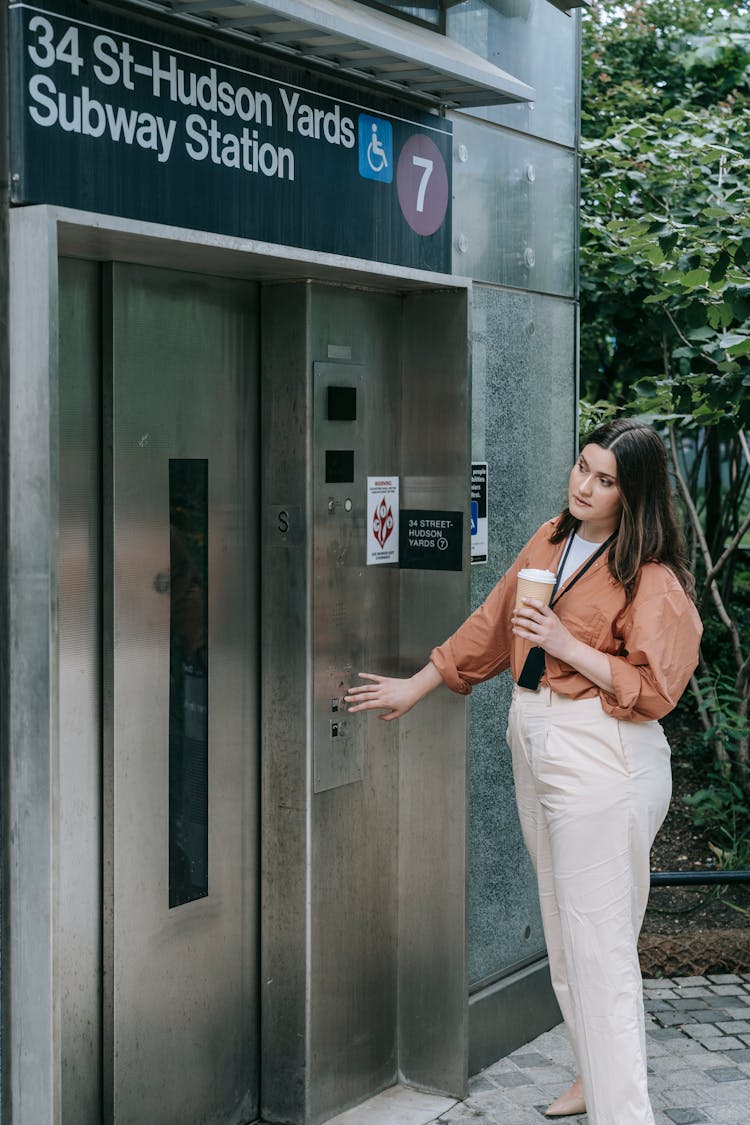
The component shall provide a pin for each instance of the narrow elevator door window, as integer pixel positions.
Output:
(188, 679)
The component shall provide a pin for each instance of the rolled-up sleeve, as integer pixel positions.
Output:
(660, 632)
(480, 648)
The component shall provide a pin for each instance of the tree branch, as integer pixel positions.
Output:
(700, 699)
(729, 551)
(745, 447)
(743, 676)
(686, 342)
(665, 354)
(704, 710)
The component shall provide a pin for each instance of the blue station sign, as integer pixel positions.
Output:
(133, 116)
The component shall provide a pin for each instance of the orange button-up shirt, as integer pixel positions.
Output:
(652, 642)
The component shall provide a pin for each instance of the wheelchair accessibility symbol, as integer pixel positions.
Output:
(375, 148)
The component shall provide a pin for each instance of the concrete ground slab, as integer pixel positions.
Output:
(398, 1105)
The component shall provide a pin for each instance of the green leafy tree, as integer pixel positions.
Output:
(665, 292)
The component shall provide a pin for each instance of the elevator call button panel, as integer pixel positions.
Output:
(339, 465)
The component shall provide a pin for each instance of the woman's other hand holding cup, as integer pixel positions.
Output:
(536, 622)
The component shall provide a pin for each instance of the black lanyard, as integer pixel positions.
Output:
(587, 565)
(533, 667)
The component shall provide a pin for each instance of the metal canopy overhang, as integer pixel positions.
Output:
(359, 43)
(568, 5)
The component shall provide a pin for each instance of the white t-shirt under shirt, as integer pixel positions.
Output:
(580, 550)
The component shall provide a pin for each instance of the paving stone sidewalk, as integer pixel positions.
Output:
(698, 1033)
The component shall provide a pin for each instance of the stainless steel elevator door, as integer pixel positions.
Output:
(180, 699)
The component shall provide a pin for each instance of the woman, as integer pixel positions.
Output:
(590, 760)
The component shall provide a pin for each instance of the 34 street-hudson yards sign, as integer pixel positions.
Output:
(135, 117)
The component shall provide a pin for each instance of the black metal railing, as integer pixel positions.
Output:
(697, 878)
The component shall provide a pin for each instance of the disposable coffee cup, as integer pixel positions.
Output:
(534, 583)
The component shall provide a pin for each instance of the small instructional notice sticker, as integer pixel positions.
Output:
(382, 520)
(479, 521)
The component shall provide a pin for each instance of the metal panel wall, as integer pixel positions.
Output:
(4, 540)
(433, 750)
(354, 837)
(180, 979)
(80, 691)
(286, 393)
(351, 869)
(33, 1047)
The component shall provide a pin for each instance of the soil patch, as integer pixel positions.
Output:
(689, 931)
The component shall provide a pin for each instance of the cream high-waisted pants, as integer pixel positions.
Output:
(592, 792)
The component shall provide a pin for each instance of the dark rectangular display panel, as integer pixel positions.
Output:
(339, 466)
(342, 404)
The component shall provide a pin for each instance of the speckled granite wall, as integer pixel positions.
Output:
(515, 220)
(523, 426)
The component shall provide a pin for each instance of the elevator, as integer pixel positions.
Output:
(159, 391)
(253, 903)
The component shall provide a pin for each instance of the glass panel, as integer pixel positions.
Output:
(188, 680)
(515, 209)
(523, 423)
(535, 42)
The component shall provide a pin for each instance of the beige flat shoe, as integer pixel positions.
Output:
(569, 1104)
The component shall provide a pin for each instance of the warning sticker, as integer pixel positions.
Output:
(382, 520)
(431, 540)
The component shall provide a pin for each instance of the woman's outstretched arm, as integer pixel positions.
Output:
(394, 696)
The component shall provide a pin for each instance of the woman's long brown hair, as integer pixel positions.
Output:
(649, 530)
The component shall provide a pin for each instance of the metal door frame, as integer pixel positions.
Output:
(38, 236)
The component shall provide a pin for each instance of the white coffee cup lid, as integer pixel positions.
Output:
(533, 575)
